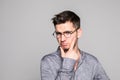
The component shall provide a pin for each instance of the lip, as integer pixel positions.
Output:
(63, 44)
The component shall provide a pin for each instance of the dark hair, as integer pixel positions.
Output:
(66, 16)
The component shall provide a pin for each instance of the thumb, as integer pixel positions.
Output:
(62, 52)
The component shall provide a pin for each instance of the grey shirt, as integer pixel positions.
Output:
(54, 67)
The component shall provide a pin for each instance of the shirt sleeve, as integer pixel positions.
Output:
(66, 71)
(100, 73)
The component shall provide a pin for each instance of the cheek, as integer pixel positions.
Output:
(58, 40)
(73, 39)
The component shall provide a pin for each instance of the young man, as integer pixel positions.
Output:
(69, 62)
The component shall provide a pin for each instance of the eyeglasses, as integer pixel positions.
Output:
(67, 34)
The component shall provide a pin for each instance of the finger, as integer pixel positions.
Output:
(72, 44)
(62, 52)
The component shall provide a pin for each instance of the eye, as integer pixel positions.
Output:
(67, 32)
(58, 33)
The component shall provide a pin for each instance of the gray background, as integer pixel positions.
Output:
(26, 34)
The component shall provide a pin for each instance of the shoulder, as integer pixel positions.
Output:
(51, 59)
(51, 56)
(88, 57)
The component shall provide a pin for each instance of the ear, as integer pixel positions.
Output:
(79, 33)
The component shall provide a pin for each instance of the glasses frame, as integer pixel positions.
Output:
(71, 32)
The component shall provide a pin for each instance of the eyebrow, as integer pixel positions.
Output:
(62, 32)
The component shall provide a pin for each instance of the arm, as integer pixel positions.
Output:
(66, 72)
(100, 73)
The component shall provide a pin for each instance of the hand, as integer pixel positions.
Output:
(72, 53)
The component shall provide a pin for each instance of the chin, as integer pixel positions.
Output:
(65, 49)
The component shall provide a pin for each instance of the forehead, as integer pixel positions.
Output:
(67, 26)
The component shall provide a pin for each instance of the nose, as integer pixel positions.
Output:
(63, 38)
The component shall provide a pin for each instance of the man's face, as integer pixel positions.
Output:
(65, 42)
